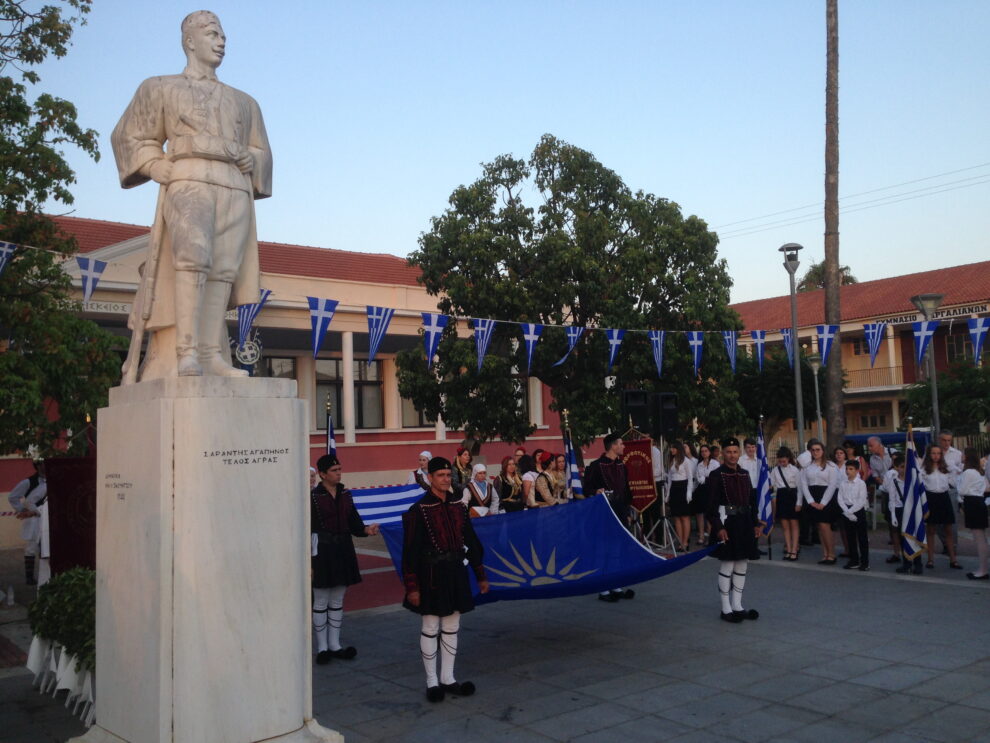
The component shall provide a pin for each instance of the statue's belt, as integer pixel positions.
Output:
(205, 147)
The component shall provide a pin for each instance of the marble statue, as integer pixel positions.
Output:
(204, 143)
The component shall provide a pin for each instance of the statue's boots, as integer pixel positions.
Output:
(213, 331)
(188, 298)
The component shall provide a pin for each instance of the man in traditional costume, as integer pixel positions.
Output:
(438, 539)
(607, 476)
(333, 522)
(28, 499)
(216, 162)
(735, 526)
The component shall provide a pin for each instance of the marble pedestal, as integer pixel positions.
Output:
(202, 605)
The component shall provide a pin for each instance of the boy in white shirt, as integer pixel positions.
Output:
(854, 501)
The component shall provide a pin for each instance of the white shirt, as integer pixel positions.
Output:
(815, 475)
(936, 482)
(971, 483)
(752, 466)
(893, 486)
(953, 460)
(789, 480)
(657, 458)
(681, 472)
(484, 489)
(411, 480)
(702, 471)
(852, 495)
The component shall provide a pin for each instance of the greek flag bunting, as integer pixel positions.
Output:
(923, 332)
(760, 343)
(320, 316)
(913, 537)
(378, 320)
(6, 253)
(483, 330)
(656, 342)
(573, 334)
(729, 336)
(433, 327)
(788, 345)
(875, 332)
(614, 341)
(978, 327)
(531, 334)
(763, 499)
(573, 474)
(90, 271)
(826, 334)
(246, 314)
(695, 341)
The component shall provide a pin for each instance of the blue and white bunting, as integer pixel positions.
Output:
(788, 345)
(378, 320)
(696, 340)
(760, 342)
(320, 315)
(90, 271)
(573, 474)
(573, 334)
(531, 334)
(433, 327)
(826, 336)
(923, 332)
(6, 253)
(875, 333)
(656, 343)
(763, 499)
(978, 327)
(729, 337)
(614, 341)
(913, 537)
(246, 314)
(483, 330)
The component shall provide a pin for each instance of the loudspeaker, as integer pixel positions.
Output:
(636, 410)
(666, 414)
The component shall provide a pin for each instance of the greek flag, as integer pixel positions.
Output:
(875, 332)
(320, 315)
(695, 340)
(913, 537)
(378, 320)
(433, 327)
(923, 332)
(788, 345)
(483, 330)
(763, 498)
(387, 504)
(331, 436)
(826, 334)
(246, 314)
(729, 336)
(656, 342)
(573, 334)
(977, 332)
(531, 334)
(6, 253)
(573, 475)
(760, 342)
(90, 271)
(614, 341)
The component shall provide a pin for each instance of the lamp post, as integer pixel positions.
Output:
(816, 363)
(791, 263)
(927, 304)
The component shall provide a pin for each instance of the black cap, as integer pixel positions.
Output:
(731, 441)
(324, 463)
(611, 439)
(438, 463)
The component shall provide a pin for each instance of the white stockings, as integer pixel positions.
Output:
(328, 616)
(439, 637)
(731, 581)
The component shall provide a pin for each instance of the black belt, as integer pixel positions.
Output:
(435, 557)
(326, 537)
(736, 510)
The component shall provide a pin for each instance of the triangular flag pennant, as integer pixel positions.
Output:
(573, 334)
(788, 345)
(760, 341)
(696, 341)
(483, 330)
(614, 341)
(90, 271)
(433, 327)
(320, 314)
(246, 314)
(923, 332)
(656, 342)
(978, 327)
(826, 334)
(378, 320)
(875, 333)
(531, 334)
(729, 336)
(6, 253)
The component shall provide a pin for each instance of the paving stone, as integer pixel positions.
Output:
(629, 683)
(784, 686)
(953, 686)
(769, 721)
(719, 710)
(951, 723)
(896, 678)
(585, 720)
(647, 729)
(836, 697)
(669, 695)
(893, 709)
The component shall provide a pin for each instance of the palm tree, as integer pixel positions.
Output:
(814, 277)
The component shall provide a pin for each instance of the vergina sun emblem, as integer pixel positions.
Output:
(534, 572)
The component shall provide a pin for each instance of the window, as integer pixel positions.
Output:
(369, 411)
(861, 347)
(873, 419)
(958, 347)
(412, 418)
(282, 368)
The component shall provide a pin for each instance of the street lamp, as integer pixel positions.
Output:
(816, 363)
(791, 263)
(927, 304)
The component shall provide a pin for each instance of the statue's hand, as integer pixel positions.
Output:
(160, 171)
(245, 163)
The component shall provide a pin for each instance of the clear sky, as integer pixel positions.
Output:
(376, 111)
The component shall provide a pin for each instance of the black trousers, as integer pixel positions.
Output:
(858, 537)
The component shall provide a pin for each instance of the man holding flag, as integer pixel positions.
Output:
(914, 540)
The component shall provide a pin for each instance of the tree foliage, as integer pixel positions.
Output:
(592, 253)
(54, 366)
(963, 394)
(770, 393)
(814, 277)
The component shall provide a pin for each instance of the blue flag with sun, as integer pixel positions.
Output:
(568, 550)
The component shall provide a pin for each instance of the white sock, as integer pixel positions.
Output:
(335, 615)
(739, 568)
(321, 598)
(725, 586)
(449, 627)
(428, 647)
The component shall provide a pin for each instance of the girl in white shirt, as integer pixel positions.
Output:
(853, 501)
(784, 481)
(936, 478)
(817, 485)
(699, 498)
(973, 486)
(679, 488)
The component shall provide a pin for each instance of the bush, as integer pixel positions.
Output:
(65, 612)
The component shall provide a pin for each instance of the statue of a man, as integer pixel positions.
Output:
(216, 162)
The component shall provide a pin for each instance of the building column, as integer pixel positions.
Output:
(347, 349)
(895, 414)
(441, 429)
(306, 386)
(891, 351)
(391, 401)
(535, 392)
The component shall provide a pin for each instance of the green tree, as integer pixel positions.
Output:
(814, 277)
(592, 253)
(55, 368)
(770, 393)
(963, 395)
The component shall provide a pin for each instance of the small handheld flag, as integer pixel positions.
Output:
(320, 316)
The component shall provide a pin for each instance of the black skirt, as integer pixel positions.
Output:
(742, 539)
(678, 499)
(827, 515)
(699, 498)
(940, 509)
(335, 562)
(443, 586)
(975, 512)
(786, 503)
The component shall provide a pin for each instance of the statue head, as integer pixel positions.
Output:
(203, 39)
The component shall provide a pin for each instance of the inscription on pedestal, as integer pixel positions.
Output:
(247, 456)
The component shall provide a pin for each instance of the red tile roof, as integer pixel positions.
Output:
(869, 299)
(292, 260)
